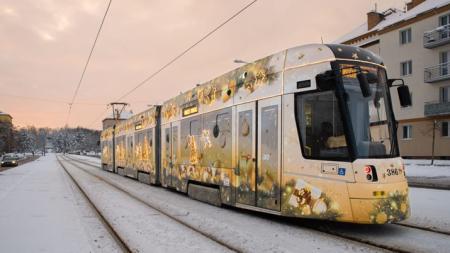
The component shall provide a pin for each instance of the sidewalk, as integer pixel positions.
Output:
(421, 174)
(41, 211)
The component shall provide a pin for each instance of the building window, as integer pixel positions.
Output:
(407, 132)
(444, 129)
(444, 94)
(406, 68)
(443, 63)
(405, 36)
(444, 21)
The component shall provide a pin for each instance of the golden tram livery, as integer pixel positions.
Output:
(307, 132)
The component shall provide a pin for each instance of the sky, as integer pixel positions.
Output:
(45, 43)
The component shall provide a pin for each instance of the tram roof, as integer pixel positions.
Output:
(295, 57)
(299, 56)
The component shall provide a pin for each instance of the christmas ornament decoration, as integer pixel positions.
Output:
(391, 209)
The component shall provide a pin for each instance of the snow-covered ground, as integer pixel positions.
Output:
(423, 168)
(42, 211)
(430, 208)
(427, 205)
(142, 228)
(245, 231)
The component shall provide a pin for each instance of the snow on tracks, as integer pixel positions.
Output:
(244, 231)
(142, 229)
(417, 237)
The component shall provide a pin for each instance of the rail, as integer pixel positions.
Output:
(437, 37)
(437, 73)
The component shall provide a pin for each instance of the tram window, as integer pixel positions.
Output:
(320, 125)
(175, 150)
(194, 127)
(217, 150)
(190, 134)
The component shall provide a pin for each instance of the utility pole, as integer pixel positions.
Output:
(117, 109)
(434, 140)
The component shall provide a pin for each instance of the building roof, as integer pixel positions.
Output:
(5, 114)
(392, 17)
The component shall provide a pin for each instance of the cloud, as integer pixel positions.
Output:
(8, 11)
(45, 35)
(62, 22)
(44, 50)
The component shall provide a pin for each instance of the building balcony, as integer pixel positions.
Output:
(437, 73)
(437, 108)
(437, 37)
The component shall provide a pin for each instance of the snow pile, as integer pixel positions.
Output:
(423, 168)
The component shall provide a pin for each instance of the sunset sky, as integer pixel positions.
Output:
(45, 43)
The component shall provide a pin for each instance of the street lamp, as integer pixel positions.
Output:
(240, 61)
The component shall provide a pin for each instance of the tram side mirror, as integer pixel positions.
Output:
(98, 143)
(404, 96)
(364, 84)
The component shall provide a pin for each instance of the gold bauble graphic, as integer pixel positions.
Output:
(319, 207)
(381, 218)
(245, 128)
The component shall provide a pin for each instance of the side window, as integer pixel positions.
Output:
(175, 148)
(166, 151)
(444, 22)
(216, 139)
(444, 129)
(406, 68)
(407, 132)
(147, 144)
(444, 94)
(405, 36)
(194, 127)
(190, 143)
(322, 134)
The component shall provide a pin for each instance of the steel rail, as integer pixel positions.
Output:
(322, 230)
(122, 244)
(139, 199)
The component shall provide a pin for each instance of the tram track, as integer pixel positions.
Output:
(121, 243)
(404, 224)
(335, 230)
(380, 247)
(159, 210)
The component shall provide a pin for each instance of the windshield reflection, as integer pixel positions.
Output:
(370, 118)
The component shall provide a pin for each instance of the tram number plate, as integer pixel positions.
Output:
(392, 172)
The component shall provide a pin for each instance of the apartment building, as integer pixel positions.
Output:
(415, 46)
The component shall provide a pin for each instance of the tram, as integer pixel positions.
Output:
(307, 132)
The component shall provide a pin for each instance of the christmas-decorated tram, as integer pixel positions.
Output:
(307, 132)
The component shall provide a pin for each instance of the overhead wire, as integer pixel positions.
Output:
(87, 62)
(151, 76)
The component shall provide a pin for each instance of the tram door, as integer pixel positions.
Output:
(246, 154)
(269, 154)
(174, 152)
(166, 155)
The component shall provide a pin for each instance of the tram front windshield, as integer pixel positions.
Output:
(320, 118)
(370, 117)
